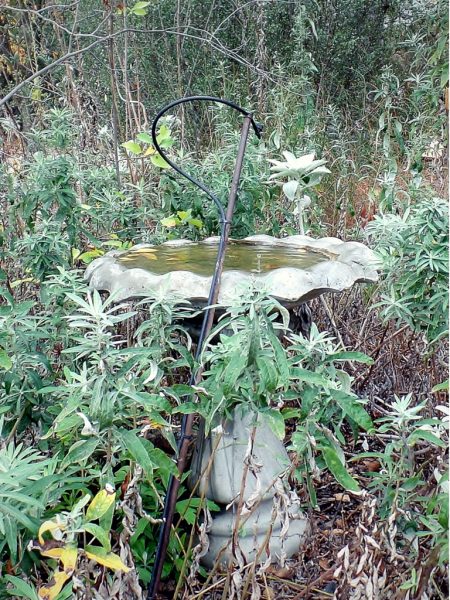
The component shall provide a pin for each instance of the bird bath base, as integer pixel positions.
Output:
(270, 524)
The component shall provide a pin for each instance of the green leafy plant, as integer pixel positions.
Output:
(251, 367)
(418, 507)
(24, 476)
(413, 248)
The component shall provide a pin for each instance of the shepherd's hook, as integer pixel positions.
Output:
(225, 219)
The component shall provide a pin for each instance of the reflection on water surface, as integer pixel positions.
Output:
(200, 258)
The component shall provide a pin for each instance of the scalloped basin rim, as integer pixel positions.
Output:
(324, 264)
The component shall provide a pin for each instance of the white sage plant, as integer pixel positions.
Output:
(302, 173)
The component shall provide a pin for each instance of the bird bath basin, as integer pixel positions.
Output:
(292, 269)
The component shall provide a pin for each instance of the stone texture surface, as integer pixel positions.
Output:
(231, 441)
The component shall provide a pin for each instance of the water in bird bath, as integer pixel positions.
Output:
(200, 257)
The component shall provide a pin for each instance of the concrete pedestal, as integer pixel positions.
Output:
(268, 464)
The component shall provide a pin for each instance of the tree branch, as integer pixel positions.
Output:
(215, 43)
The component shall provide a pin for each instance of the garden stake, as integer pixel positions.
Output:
(225, 225)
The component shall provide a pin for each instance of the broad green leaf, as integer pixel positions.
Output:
(441, 387)
(107, 559)
(352, 408)
(79, 452)
(280, 358)
(135, 446)
(5, 361)
(132, 147)
(236, 365)
(424, 434)
(338, 470)
(99, 533)
(139, 8)
(163, 133)
(145, 137)
(297, 373)
(268, 374)
(158, 161)
(22, 589)
(100, 504)
(276, 422)
(357, 356)
(166, 143)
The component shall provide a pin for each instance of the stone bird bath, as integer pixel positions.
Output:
(292, 270)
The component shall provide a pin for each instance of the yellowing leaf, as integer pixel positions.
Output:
(107, 559)
(36, 94)
(89, 256)
(169, 222)
(18, 282)
(145, 253)
(99, 505)
(52, 589)
(66, 554)
(150, 150)
(68, 558)
(52, 552)
(53, 527)
(140, 251)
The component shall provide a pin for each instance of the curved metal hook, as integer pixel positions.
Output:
(256, 126)
(225, 223)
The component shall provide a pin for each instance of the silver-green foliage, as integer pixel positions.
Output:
(301, 379)
(413, 248)
(410, 494)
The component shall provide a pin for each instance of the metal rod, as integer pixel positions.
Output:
(188, 420)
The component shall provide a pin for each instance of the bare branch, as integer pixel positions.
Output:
(209, 39)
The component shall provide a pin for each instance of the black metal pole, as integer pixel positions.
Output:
(188, 420)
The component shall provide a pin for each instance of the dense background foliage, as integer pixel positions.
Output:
(90, 390)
